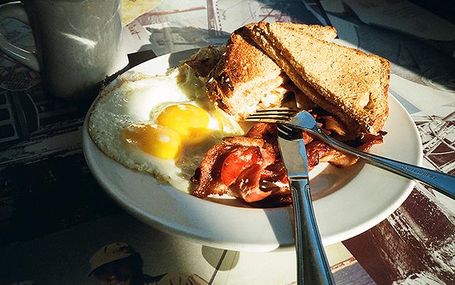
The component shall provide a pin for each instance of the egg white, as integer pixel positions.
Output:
(136, 98)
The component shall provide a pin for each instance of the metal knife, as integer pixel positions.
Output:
(312, 264)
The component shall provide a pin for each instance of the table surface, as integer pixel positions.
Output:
(54, 215)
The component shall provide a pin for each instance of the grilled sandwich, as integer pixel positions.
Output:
(246, 79)
(344, 81)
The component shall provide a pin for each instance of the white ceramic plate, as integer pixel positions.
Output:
(350, 200)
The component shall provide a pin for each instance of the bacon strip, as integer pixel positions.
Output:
(248, 167)
(251, 168)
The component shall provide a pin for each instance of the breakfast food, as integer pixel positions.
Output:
(246, 78)
(162, 125)
(344, 81)
(251, 168)
(248, 167)
(184, 129)
(204, 60)
(347, 88)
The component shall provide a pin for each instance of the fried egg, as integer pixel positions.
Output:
(162, 125)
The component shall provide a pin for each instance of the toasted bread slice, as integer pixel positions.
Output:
(346, 82)
(246, 79)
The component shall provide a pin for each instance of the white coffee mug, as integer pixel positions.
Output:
(78, 43)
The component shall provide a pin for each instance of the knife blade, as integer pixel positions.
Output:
(312, 264)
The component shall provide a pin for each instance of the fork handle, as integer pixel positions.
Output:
(312, 264)
(441, 182)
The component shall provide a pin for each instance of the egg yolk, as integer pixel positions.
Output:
(189, 121)
(160, 142)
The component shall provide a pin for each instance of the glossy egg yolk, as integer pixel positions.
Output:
(160, 142)
(189, 121)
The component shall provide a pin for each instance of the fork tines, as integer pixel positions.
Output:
(272, 115)
(289, 133)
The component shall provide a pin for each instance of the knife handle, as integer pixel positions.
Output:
(312, 264)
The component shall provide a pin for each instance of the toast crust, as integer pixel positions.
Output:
(242, 64)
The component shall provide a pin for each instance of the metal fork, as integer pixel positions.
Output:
(272, 115)
(441, 182)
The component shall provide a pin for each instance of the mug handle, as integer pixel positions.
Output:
(16, 10)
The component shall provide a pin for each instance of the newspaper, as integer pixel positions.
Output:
(172, 27)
